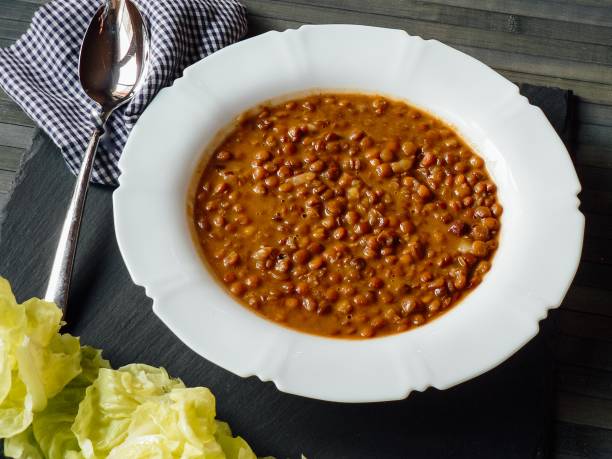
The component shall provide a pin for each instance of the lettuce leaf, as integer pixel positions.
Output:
(61, 401)
(140, 412)
(36, 362)
(233, 447)
(106, 412)
(23, 446)
(52, 427)
(50, 435)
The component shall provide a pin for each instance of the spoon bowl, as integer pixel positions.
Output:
(114, 54)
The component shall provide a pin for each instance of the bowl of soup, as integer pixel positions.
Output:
(350, 212)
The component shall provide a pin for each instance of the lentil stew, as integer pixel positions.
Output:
(346, 215)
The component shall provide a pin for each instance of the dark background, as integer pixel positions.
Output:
(505, 413)
(564, 43)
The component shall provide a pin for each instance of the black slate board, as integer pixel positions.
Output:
(505, 413)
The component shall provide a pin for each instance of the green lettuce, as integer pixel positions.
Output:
(61, 401)
(53, 426)
(36, 361)
(23, 446)
(139, 412)
(50, 435)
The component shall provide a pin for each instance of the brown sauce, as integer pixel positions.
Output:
(346, 215)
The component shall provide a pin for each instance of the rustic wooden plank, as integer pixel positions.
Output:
(596, 202)
(594, 275)
(583, 398)
(595, 84)
(588, 300)
(476, 19)
(584, 325)
(598, 226)
(587, 352)
(539, 65)
(573, 440)
(6, 180)
(594, 113)
(5, 43)
(557, 455)
(4, 96)
(17, 10)
(590, 155)
(10, 157)
(504, 50)
(4, 198)
(595, 178)
(594, 134)
(585, 381)
(593, 155)
(11, 29)
(597, 251)
(566, 12)
(260, 23)
(11, 113)
(582, 2)
(588, 411)
(13, 135)
(586, 90)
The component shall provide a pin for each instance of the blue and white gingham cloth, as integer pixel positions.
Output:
(40, 71)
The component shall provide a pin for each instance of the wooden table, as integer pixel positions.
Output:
(563, 43)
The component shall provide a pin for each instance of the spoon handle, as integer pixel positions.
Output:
(61, 272)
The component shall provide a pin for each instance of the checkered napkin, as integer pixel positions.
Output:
(40, 71)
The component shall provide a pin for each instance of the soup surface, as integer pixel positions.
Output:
(346, 215)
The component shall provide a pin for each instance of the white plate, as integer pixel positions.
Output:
(540, 241)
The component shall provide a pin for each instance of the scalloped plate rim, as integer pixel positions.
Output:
(283, 374)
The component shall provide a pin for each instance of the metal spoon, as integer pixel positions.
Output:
(112, 66)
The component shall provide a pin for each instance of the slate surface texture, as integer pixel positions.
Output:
(505, 413)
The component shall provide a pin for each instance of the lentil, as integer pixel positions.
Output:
(351, 216)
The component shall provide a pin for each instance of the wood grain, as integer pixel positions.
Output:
(561, 43)
(594, 134)
(593, 155)
(585, 381)
(561, 11)
(585, 325)
(34, 2)
(10, 113)
(597, 251)
(594, 113)
(596, 202)
(595, 178)
(589, 411)
(585, 90)
(4, 197)
(588, 300)
(493, 21)
(16, 136)
(587, 352)
(594, 275)
(17, 10)
(598, 226)
(543, 56)
(10, 157)
(5, 42)
(574, 440)
(6, 180)
(11, 29)
(590, 82)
